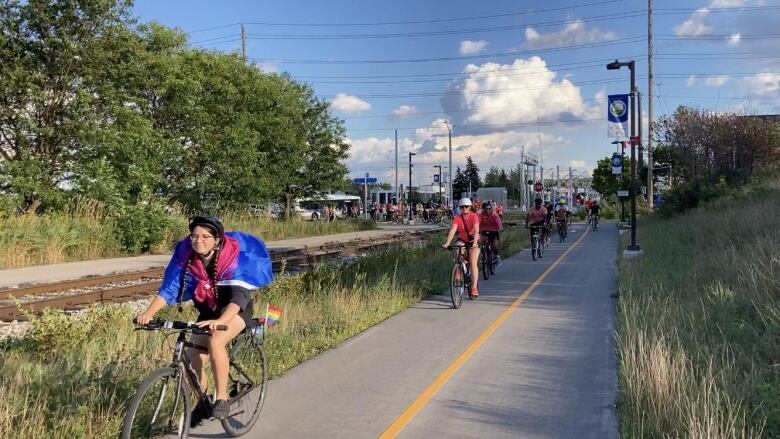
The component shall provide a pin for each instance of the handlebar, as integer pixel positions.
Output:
(175, 325)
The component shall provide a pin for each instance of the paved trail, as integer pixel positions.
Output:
(547, 370)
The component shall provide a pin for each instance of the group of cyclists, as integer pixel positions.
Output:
(217, 270)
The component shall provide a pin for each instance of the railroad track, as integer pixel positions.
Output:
(71, 294)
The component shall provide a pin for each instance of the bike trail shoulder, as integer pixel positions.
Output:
(547, 371)
(75, 270)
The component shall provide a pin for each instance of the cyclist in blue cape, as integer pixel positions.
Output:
(217, 271)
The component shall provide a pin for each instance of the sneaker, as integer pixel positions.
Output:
(202, 411)
(221, 409)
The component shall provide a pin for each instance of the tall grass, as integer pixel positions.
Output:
(72, 377)
(699, 323)
(86, 232)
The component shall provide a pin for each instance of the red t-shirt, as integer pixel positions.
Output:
(490, 223)
(467, 225)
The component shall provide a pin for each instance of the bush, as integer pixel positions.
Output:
(689, 196)
(140, 228)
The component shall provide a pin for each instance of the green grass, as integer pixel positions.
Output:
(699, 323)
(87, 232)
(72, 377)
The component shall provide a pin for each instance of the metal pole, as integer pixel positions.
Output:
(633, 246)
(396, 167)
(409, 201)
(523, 185)
(365, 197)
(449, 171)
(650, 103)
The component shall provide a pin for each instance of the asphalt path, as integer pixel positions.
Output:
(532, 357)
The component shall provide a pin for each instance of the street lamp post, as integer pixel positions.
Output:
(409, 201)
(616, 65)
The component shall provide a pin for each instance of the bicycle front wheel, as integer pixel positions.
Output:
(247, 384)
(485, 262)
(159, 408)
(534, 246)
(457, 286)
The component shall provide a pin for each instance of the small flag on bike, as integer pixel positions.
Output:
(272, 315)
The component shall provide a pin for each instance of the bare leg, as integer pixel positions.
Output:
(474, 262)
(220, 364)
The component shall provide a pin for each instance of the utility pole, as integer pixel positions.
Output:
(570, 194)
(449, 171)
(396, 167)
(557, 180)
(365, 197)
(539, 129)
(523, 184)
(409, 201)
(440, 194)
(650, 89)
(243, 42)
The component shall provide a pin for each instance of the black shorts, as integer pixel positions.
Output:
(490, 234)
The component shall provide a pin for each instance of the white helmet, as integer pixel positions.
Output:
(465, 202)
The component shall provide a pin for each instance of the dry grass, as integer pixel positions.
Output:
(699, 336)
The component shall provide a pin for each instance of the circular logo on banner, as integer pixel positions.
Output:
(538, 187)
(617, 161)
(617, 108)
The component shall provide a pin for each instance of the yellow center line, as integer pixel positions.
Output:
(411, 411)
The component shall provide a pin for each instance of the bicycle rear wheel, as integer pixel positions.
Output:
(159, 408)
(457, 286)
(595, 223)
(247, 384)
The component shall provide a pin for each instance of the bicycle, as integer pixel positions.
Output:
(536, 242)
(461, 276)
(561, 225)
(164, 395)
(595, 222)
(488, 260)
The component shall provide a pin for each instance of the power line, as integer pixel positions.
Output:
(616, 42)
(437, 20)
(614, 16)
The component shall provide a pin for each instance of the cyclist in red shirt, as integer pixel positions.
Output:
(490, 226)
(466, 225)
(537, 216)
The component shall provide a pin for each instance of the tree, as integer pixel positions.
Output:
(608, 184)
(497, 178)
(51, 81)
(460, 184)
(471, 174)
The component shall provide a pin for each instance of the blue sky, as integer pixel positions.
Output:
(493, 69)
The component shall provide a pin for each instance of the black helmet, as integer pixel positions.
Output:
(210, 222)
(487, 205)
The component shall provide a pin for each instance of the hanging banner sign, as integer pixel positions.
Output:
(617, 115)
(435, 178)
(617, 164)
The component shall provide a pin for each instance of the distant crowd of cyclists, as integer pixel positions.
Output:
(428, 212)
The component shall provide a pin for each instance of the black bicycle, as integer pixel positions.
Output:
(461, 276)
(162, 405)
(560, 223)
(537, 246)
(488, 260)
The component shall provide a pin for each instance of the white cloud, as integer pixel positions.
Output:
(767, 84)
(578, 164)
(501, 95)
(716, 81)
(691, 81)
(468, 47)
(349, 104)
(695, 24)
(404, 110)
(734, 39)
(573, 33)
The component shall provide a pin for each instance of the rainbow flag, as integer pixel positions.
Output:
(272, 315)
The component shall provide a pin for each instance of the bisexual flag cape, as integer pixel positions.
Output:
(250, 270)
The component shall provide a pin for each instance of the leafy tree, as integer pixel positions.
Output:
(497, 178)
(608, 184)
(459, 184)
(471, 173)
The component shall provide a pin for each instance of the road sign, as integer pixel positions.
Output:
(617, 164)
(363, 180)
(435, 178)
(538, 187)
(622, 193)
